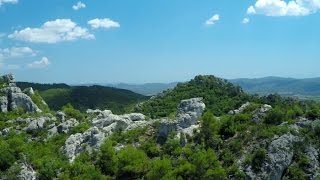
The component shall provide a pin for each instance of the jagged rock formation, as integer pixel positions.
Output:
(103, 126)
(241, 109)
(189, 111)
(14, 98)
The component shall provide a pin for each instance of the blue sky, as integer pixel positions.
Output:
(158, 41)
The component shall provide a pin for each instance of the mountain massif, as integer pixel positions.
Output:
(206, 128)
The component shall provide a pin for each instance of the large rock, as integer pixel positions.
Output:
(87, 141)
(189, 111)
(9, 78)
(27, 172)
(3, 104)
(241, 109)
(24, 101)
(14, 98)
(279, 157)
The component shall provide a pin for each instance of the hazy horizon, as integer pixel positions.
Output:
(79, 42)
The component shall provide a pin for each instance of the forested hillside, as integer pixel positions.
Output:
(220, 96)
(86, 97)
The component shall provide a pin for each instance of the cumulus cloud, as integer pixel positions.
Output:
(55, 31)
(105, 23)
(16, 52)
(284, 8)
(8, 2)
(215, 18)
(44, 62)
(78, 6)
(245, 21)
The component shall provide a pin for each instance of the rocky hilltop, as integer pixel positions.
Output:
(204, 129)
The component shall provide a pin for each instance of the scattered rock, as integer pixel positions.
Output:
(66, 126)
(35, 123)
(103, 125)
(261, 113)
(241, 109)
(61, 115)
(5, 131)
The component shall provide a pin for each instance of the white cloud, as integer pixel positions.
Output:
(55, 31)
(245, 21)
(16, 52)
(215, 18)
(44, 62)
(8, 1)
(79, 5)
(103, 23)
(284, 8)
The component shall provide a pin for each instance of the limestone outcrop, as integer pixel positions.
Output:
(11, 96)
(103, 125)
(189, 112)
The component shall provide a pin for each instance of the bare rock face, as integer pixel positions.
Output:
(189, 111)
(24, 101)
(279, 157)
(3, 104)
(103, 125)
(14, 98)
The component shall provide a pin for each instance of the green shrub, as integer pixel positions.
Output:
(37, 99)
(159, 168)
(227, 128)
(258, 158)
(107, 160)
(132, 162)
(275, 116)
(73, 113)
(7, 156)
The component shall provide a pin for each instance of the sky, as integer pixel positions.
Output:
(140, 41)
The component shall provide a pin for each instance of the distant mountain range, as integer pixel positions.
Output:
(304, 88)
